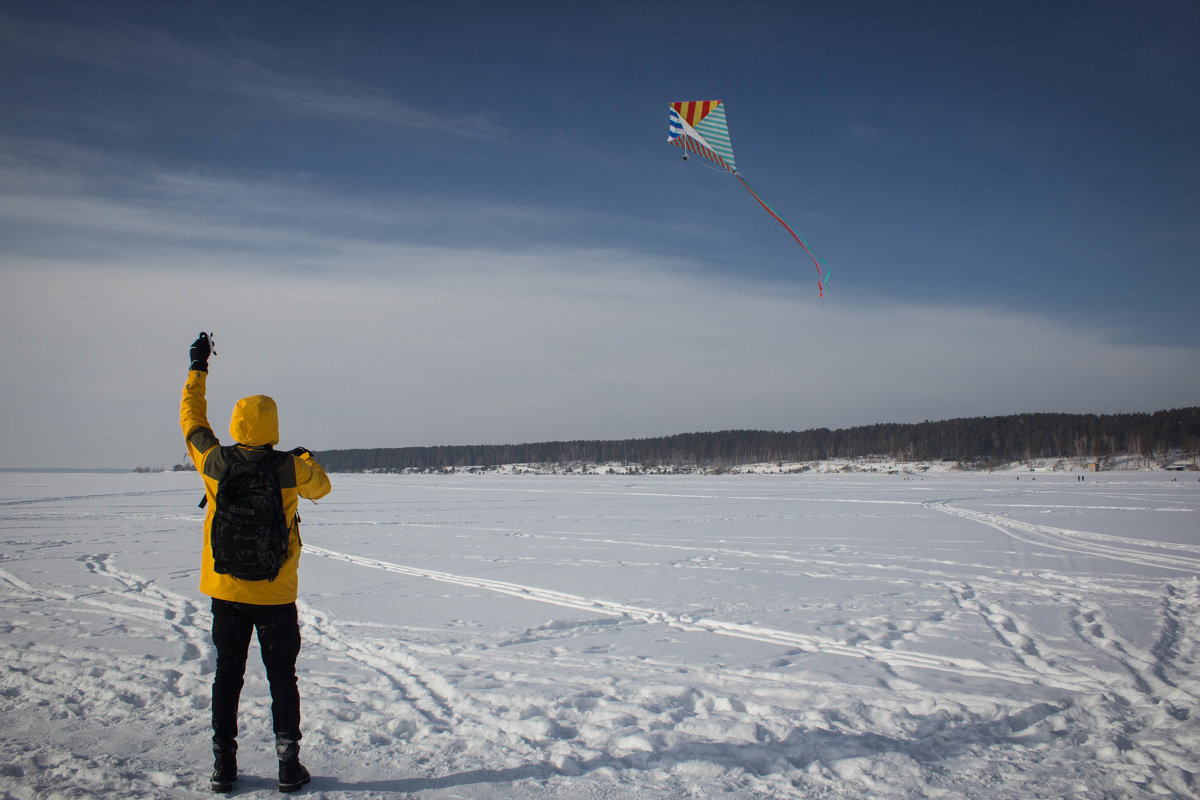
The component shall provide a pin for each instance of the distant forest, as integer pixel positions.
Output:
(976, 442)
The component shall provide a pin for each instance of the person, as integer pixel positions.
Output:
(240, 606)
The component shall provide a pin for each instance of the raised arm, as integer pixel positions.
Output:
(193, 407)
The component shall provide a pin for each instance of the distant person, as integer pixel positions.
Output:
(264, 484)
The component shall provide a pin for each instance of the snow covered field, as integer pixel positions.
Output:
(809, 636)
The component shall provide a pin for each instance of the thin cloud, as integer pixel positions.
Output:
(118, 207)
(157, 55)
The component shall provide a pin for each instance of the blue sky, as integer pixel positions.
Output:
(428, 223)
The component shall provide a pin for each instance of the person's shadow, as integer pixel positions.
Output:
(942, 739)
(410, 785)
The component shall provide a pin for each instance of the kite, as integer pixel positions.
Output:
(699, 127)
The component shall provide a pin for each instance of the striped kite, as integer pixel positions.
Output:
(698, 126)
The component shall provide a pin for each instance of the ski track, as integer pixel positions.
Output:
(513, 708)
(1123, 549)
(53, 500)
(799, 642)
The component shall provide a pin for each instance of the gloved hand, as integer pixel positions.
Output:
(201, 350)
(299, 452)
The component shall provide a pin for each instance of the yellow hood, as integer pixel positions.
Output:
(255, 421)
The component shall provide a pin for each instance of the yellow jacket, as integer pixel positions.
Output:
(254, 426)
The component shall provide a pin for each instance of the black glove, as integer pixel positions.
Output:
(299, 452)
(201, 350)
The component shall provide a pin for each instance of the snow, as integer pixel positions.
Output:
(923, 634)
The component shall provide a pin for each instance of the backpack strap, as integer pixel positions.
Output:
(232, 453)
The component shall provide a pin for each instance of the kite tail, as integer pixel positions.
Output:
(799, 241)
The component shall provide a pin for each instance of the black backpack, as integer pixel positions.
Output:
(249, 534)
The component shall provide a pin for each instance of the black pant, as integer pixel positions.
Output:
(279, 639)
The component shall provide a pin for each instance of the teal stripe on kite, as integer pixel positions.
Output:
(716, 134)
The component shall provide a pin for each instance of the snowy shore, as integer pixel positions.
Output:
(1120, 465)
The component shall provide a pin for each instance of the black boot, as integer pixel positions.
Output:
(224, 764)
(292, 774)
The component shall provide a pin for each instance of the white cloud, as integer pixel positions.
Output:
(522, 347)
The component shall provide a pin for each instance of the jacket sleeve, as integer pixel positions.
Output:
(193, 418)
(311, 481)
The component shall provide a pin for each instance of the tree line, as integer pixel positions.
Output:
(976, 442)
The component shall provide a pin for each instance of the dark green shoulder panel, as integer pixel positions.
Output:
(215, 463)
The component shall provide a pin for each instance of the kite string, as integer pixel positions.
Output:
(788, 228)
